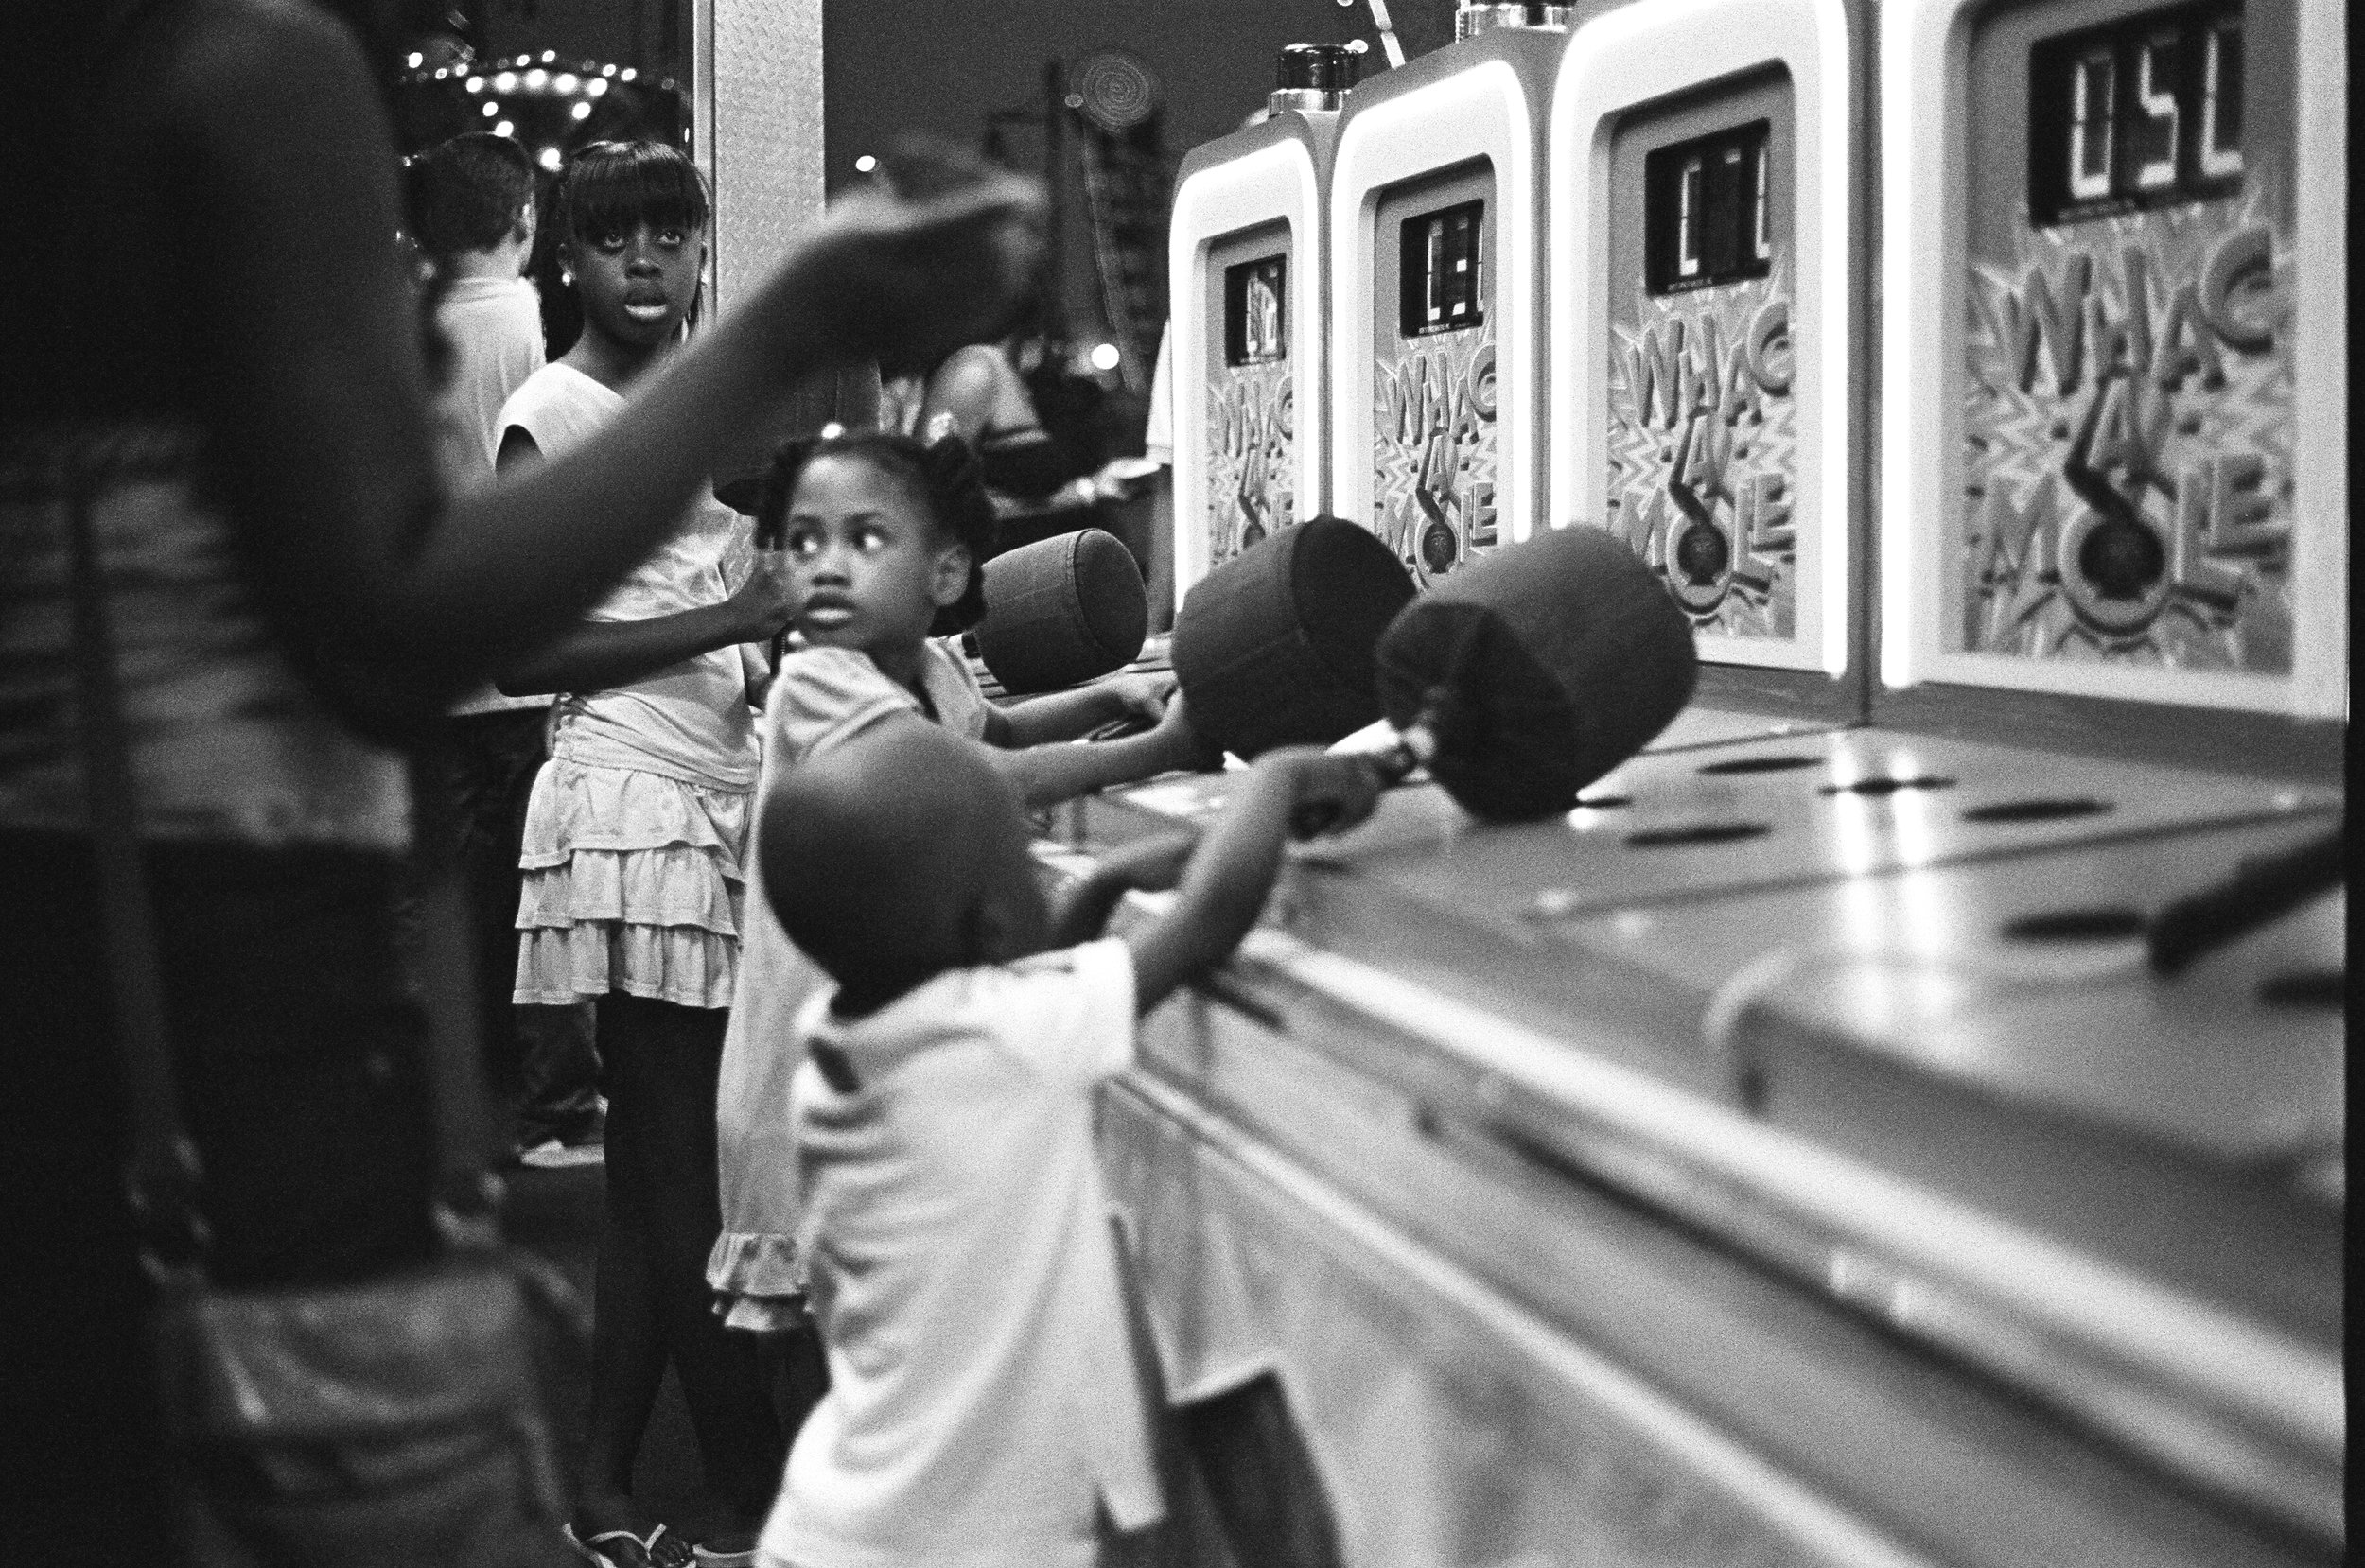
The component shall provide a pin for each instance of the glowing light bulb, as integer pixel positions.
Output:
(583, 112)
(864, 164)
(607, 70)
(548, 54)
(549, 158)
(505, 129)
(1105, 357)
(505, 82)
(566, 81)
(537, 77)
(626, 74)
(476, 84)
(491, 110)
(415, 61)
(596, 87)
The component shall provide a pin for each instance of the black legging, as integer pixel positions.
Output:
(660, 1062)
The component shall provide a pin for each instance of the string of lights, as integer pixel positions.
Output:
(549, 104)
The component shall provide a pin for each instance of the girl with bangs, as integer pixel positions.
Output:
(632, 851)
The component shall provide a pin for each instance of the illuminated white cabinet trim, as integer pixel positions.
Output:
(1479, 112)
(1634, 57)
(1272, 183)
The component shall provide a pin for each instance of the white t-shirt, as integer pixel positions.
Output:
(494, 327)
(691, 721)
(1158, 438)
(984, 1403)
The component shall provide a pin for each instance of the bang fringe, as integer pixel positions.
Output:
(608, 190)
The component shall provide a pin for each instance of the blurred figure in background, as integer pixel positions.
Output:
(1046, 475)
(471, 211)
(471, 201)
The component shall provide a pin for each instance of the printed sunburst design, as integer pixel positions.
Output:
(1642, 451)
(1251, 477)
(2017, 444)
(1440, 473)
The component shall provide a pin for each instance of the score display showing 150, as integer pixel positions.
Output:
(2143, 112)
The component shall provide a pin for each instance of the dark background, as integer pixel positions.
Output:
(941, 65)
(971, 72)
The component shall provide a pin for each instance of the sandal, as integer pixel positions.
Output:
(724, 1560)
(660, 1548)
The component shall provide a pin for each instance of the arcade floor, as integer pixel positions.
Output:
(557, 1214)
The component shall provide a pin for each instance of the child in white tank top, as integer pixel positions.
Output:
(632, 861)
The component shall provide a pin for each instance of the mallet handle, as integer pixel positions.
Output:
(1414, 747)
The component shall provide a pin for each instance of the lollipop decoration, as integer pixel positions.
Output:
(1115, 91)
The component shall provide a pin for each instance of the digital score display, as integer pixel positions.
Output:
(1442, 276)
(1257, 312)
(1706, 211)
(2143, 113)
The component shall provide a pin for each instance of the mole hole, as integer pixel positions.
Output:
(1702, 554)
(2043, 809)
(1603, 803)
(1759, 764)
(1439, 548)
(1886, 785)
(2306, 989)
(2077, 925)
(2122, 559)
(1700, 832)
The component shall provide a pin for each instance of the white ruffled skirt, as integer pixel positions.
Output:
(633, 882)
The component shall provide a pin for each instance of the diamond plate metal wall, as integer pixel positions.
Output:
(756, 71)
(756, 65)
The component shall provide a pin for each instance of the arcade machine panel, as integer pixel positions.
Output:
(1704, 202)
(1434, 434)
(1702, 431)
(1997, 1031)
(1437, 251)
(2114, 468)
(1422, 890)
(1251, 444)
(1249, 250)
(1964, 1222)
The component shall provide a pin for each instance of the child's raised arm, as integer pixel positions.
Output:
(1048, 773)
(1065, 715)
(598, 655)
(1151, 864)
(1224, 887)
